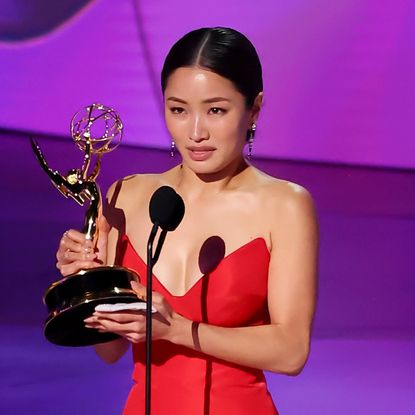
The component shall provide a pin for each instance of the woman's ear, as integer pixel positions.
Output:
(256, 107)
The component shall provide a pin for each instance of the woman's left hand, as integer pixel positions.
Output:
(132, 324)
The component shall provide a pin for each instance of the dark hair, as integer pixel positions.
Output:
(222, 50)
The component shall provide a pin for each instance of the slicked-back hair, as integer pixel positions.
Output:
(222, 50)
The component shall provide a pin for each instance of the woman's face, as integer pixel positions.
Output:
(207, 118)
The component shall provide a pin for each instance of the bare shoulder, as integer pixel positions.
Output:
(118, 187)
(282, 194)
(128, 198)
(284, 201)
(130, 190)
(289, 215)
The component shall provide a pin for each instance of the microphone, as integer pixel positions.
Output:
(166, 212)
(166, 208)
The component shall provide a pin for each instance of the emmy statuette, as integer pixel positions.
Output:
(96, 130)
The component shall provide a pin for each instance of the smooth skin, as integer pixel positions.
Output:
(224, 196)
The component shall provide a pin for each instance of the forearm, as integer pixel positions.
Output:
(269, 347)
(112, 351)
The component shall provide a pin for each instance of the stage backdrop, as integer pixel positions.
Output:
(339, 82)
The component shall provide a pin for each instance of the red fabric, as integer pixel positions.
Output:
(187, 382)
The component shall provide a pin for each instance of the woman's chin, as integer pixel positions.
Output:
(204, 170)
(209, 168)
(201, 167)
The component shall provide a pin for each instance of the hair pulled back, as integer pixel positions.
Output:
(222, 50)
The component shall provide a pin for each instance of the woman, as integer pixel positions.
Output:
(235, 284)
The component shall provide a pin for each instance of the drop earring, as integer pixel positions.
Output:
(250, 138)
(172, 148)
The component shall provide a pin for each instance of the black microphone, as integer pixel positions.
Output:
(166, 212)
(166, 208)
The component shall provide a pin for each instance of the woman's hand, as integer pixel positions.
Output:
(76, 252)
(132, 324)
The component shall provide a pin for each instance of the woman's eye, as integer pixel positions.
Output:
(176, 110)
(217, 110)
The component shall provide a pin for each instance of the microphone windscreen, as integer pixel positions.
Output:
(166, 208)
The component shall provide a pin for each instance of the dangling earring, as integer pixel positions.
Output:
(250, 138)
(172, 148)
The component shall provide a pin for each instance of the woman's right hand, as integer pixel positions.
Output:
(76, 252)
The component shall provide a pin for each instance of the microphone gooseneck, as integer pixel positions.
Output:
(166, 212)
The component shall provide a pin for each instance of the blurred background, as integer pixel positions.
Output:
(338, 119)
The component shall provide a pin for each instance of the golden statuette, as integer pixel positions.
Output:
(96, 130)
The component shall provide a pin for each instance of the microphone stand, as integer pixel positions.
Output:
(166, 212)
(151, 261)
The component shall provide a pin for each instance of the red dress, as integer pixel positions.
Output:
(187, 382)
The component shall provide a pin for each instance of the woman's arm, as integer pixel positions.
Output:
(111, 352)
(76, 252)
(283, 345)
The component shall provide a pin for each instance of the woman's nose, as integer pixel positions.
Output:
(198, 131)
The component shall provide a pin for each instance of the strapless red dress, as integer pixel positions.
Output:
(187, 382)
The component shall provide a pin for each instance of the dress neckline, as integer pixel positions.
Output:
(225, 259)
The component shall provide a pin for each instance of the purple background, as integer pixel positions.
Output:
(338, 75)
(338, 119)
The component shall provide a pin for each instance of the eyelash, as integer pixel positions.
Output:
(176, 110)
(213, 110)
(217, 110)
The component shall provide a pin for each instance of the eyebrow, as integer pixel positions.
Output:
(206, 101)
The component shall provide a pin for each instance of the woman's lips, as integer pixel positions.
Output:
(200, 153)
